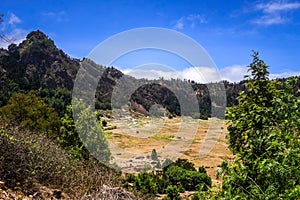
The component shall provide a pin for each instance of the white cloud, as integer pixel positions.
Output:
(11, 32)
(234, 73)
(273, 7)
(198, 74)
(151, 74)
(270, 20)
(189, 21)
(13, 19)
(274, 12)
(57, 16)
(16, 36)
(201, 74)
(179, 24)
(285, 74)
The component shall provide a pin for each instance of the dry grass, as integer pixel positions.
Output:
(123, 138)
(30, 159)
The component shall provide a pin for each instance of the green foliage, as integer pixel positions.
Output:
(188, 179)
(173, 193)
(7, 88)
(89, 130)
(30, 111)
(110, 128)
(185, 164)
(69, 138)
(80, 139)
(144, 182)
(182, 163)
(204, 195)
(178, 177)
(202, 169)
(264, 136)
(154, 155)
(58, 99)
(15, 70)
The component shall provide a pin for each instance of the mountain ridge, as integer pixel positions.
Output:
(37, 64)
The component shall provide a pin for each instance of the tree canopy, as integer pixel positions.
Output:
(32, 112)
(264, 136)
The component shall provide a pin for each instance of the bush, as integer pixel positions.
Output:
(154, 155)
(30, 111)
(173, 193)
(185, 164)
(28, 158)
(104, 123)
(110, 128)
(144, 182)
(190, 180)
(172, 175)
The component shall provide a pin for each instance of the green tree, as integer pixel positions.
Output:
(173, 193)
(189, 179)
(154, 155)
(30, 111)
(185, 164)
(145, 182)
(264, 136)
(158, 181)
(58, 99)
(7, 88)
(69, 138)
(90, 132)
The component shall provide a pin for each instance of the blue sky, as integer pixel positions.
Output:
(228, 30)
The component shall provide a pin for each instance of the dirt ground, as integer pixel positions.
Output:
(200, 141)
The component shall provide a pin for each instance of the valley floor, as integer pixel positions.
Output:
(200, 141)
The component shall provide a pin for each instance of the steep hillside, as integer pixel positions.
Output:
(37, 64)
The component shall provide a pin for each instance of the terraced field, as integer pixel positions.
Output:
(200, 141)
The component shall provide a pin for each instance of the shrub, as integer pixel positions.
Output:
(183, 179)
(28, 158)
(190, 180)
(185, 164)
(173, 193)
(30, 111)
(104, 123)
(154, 155)
(145, 182)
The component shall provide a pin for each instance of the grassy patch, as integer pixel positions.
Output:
(163, 137)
